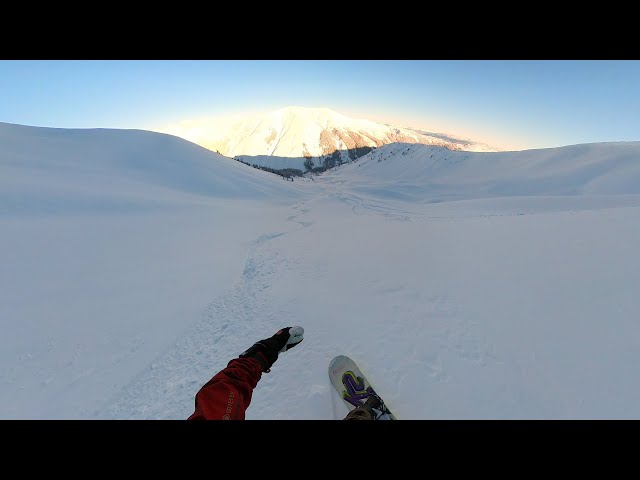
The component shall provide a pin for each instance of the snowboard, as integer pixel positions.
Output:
(352, 385)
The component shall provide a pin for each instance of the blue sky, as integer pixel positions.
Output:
(510, 104)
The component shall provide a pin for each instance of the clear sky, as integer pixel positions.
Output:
(507, 103)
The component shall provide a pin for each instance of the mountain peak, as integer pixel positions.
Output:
(298, 109)
(297, 133)
(305, 116)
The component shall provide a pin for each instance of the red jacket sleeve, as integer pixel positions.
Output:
(228, 394)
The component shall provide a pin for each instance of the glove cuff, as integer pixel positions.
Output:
(265, 356)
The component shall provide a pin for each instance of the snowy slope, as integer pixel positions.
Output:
(112, 243)
(421, 173)
(277, 138)
(48, 169)
(488, 285)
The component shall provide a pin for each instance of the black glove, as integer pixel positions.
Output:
(266, 351)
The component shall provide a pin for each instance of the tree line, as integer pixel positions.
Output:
(330, 161)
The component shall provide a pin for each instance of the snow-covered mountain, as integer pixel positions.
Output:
(135, 265)
(285, 138)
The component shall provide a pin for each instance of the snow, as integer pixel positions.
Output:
(286, 136)
(135, 265)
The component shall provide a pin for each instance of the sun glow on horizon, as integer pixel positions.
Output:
(505, 103)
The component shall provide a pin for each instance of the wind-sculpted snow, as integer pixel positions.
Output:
(466, 286)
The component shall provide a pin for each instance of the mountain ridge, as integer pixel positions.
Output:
(321, 135)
